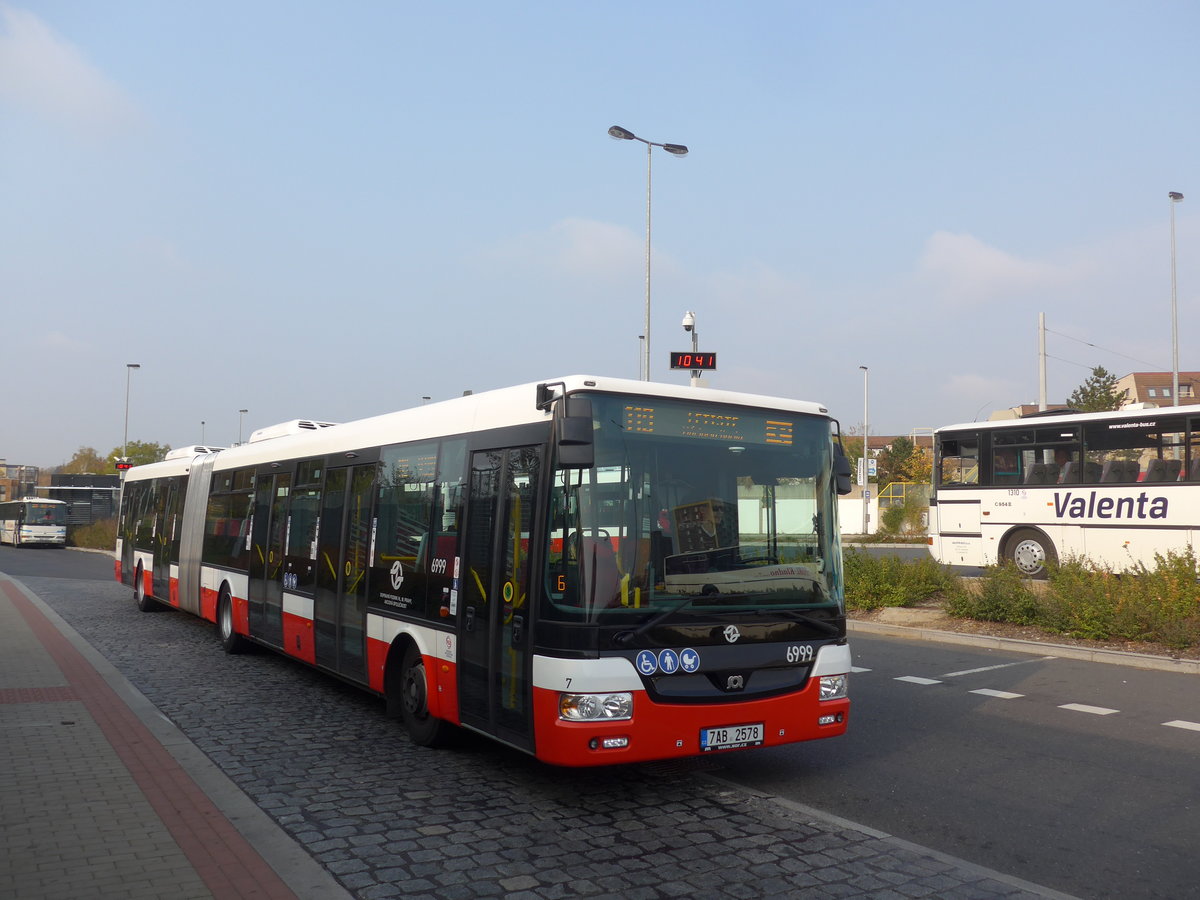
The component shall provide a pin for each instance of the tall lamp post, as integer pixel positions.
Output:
(689, 325)
(624, 134)
(1174, 197)
(129, 367)
(241, 418)
(866, 493)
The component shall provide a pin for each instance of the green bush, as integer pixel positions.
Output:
(1000, 595)
(873, 582)
(100, 535)
(892, 519)
(1159, 603)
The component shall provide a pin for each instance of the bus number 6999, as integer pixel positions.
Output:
(800, 653)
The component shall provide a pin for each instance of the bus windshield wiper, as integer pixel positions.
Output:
(626, 636)
(819, 624)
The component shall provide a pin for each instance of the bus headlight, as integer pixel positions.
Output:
(595, 707)
(834, 687)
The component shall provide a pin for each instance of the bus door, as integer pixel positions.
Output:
(166, 532)
(267, 551)
(493, 624)
(343, 561)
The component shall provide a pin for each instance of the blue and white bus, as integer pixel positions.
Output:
(32, 521)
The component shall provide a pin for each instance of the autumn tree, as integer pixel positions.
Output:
(903, 461)
(139, 453)
(1098, 393)
(87, 461)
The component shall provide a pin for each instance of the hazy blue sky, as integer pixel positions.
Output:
(330, 210)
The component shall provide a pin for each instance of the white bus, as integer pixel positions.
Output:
(1114, 487)
(33, 520)
(591, 570)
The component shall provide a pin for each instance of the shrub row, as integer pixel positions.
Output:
(1159, 603)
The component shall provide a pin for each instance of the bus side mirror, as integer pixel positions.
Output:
(573, 433)
(841, 470)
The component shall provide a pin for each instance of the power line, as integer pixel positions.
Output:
(1105, 349)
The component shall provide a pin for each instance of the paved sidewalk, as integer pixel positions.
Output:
(102, 797)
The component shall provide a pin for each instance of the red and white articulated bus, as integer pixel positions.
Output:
(591, 570)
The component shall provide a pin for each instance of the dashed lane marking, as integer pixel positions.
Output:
(1094, 710)
(1009, 665)
(1002, 695)
(913, 679)
(1180, 723)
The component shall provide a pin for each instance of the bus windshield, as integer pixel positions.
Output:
(697, 509)
(45, 513)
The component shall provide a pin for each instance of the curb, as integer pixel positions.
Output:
(1110, 657)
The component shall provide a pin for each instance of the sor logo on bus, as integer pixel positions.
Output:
(397, 575)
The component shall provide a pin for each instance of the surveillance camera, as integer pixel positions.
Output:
(689, 321)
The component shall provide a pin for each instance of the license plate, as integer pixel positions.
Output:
(731, 737)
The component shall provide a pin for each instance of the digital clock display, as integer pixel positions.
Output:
(693, 360)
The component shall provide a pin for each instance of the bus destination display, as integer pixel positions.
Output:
(689, 422)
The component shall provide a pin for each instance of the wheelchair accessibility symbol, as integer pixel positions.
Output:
(647, 662)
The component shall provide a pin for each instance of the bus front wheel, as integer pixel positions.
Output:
(1031, 552)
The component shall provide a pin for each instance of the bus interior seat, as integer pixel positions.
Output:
(1092, 472)
(1113, 472)
(1173, 466)
(1069, 473)
(1133, 470)
(1194, 469)
(1036, 474)
(1155, 471)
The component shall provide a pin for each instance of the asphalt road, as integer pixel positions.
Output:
(1059, 771)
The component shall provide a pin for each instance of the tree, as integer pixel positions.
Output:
(1098, 393)
(87, 461)
(139, 453)
(903, 461)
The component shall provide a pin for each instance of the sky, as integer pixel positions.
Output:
(331, 211)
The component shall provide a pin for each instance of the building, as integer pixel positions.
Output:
(1155, 388)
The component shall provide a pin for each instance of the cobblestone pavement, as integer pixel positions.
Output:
(389, 819)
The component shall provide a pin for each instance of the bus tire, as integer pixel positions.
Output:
(1031, 552)
(144, 602)
(411, 700)
(231, 641)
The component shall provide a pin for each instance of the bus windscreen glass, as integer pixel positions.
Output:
(698, 508)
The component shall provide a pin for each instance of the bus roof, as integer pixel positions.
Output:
(1150, 416)
(472, 412)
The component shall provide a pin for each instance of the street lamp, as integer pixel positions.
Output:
(241, 416)
(1174, 197)
(623, 134)
(866, 493)
(129, 367)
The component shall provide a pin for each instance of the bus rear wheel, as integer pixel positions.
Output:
(1031, 552)
(425, 729)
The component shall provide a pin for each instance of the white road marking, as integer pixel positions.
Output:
(913, 679)
(1022, 662)
(1094, 710)
(1180, 723)
(1003, 695)
(858, 669)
